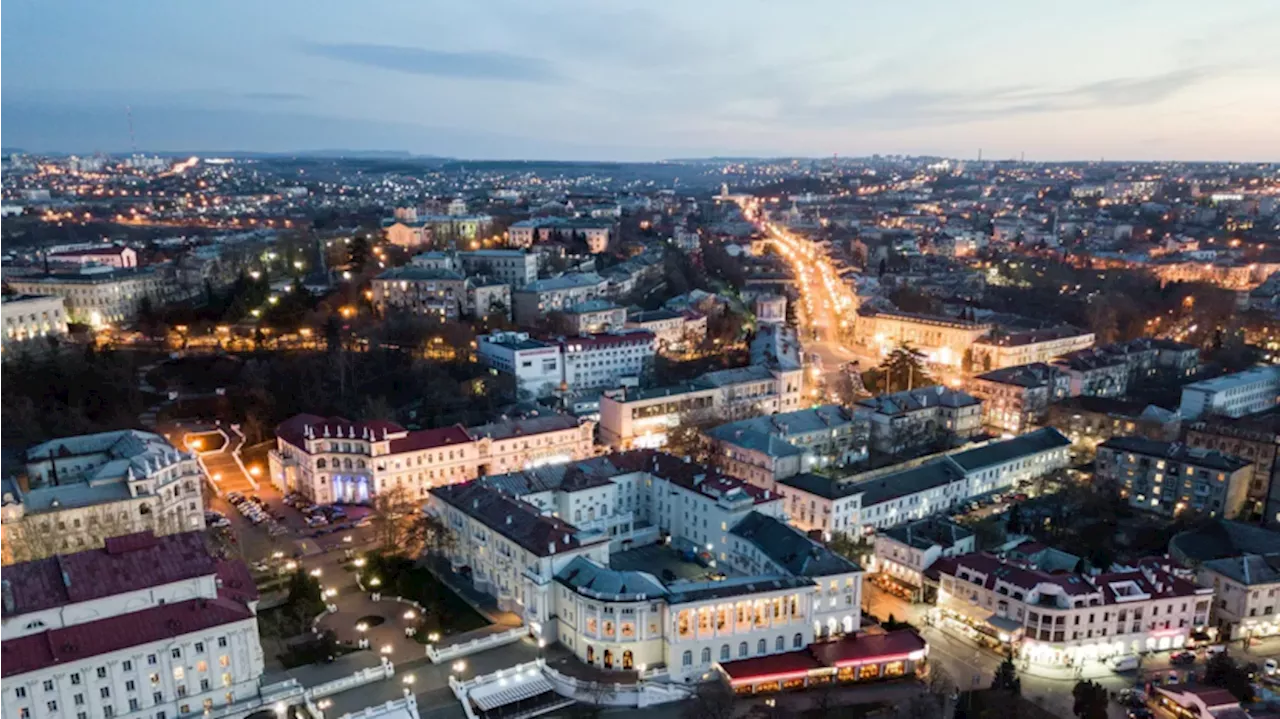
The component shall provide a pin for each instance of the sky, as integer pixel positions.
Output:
(621, 80)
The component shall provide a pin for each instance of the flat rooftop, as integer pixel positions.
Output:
(654, 558)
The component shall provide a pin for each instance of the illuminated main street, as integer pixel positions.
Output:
(827, 304)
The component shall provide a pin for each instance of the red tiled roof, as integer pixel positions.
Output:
(429, 438)
(1154, 581)
(860, 648)
(799, 662)
(127, 563)
(857, 649)
(80, 641)
(294, 429)
(690, 475)
(235, 582)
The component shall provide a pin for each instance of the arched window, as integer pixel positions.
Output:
(687, 659)
(144, 509)
(706, 655)
(780, 644)
(360, 463)
(742, 650)
(627, 660)
(762, 646)
(591, 654)
(797, 641)
(724, 653)
(346, 463)
(321, 463)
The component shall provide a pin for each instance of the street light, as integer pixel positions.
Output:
(459, 666)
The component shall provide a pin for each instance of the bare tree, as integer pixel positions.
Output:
(713, 700)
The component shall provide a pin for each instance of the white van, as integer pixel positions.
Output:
(1215, 649)
(1126, 663)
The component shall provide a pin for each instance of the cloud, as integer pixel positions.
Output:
(275, 96)
(420, 61)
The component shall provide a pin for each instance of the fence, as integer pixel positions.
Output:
(462, 649)
(385, 670)
(648, 690)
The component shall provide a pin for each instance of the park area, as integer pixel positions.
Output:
(443, 611)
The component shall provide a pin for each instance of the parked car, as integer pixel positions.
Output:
(1140, 713)
(1269, 667)
(317, 520)
(1125, 663)
(1182, 658)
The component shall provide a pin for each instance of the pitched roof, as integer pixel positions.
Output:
(1001, 451)
(591, 579)
(918, 399)
(513, 518)
(430, 438)
(81, 641)
(127, 563)
(790, 548)
(1177, 452)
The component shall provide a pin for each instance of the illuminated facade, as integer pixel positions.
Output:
(30, 317)
(1169, 477)
(1247, 594)
(1066, 617)
(99, 296)
(544, 543)
(943, 340)
(336, 460)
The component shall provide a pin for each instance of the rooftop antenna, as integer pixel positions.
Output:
(133, 142)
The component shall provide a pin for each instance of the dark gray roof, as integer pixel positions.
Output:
(734, 587)
(591, 579)
(927, 532)
(824, 487)
(918, 399)
(910, 481)
(1250, 569)
(409, 272)
(1041, 440)
(1176, 451)
(1222, 538)
(790, 548)
(1037, 374)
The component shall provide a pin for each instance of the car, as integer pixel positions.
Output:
(1182, 658)
(1269, 667)
(1140, 713)
(316, 520)
(1215, 649)
(235, 497)
(364, 521)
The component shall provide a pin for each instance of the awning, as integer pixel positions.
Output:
(1004, 624)
(508, 691)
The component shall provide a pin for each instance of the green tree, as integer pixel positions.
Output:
(904, 370)
(358, 252)
(1006, 677)
(1223, 671)
(1090, 700)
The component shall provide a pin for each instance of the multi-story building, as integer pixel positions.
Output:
(595, 316)
(1246, 593)
(1093, 373)
(514, 267)
(146, 626)
(1169, 477)
(537, 298)
(905, 551)
(1256, 439)
(88, 488)
(762, 450)
(513, 445)
(1067, 617)
(537, 366)
(117, 256)
(1148, 358)
(28, 318)
(412, 231)
(1089, 421)
(1011, 349)
(434, 293)
(1015, 399)
(99, 296)
(550, 544)
(336, 460)
(673, 330)
(883, 498)
(943, 340)
(1233, 395)
(487, 297)
(770, 309)
(917, 418)
(642, 418)
(606, 360)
